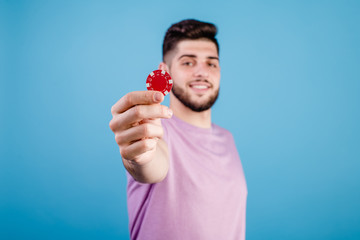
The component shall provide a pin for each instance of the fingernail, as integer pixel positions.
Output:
(170, 112)
(158, 97)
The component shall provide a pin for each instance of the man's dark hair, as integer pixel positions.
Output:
(189, 29)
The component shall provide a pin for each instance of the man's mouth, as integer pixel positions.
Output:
(197, 85)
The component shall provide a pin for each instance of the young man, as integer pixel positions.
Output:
(185, 179)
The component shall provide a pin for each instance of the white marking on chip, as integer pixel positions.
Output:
(147, 84)
(170, 81)
(163, 72)
(166, 92)
(152, 74)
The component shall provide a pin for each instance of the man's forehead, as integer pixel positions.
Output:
(196, 47)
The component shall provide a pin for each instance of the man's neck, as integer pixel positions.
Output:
(198, 119)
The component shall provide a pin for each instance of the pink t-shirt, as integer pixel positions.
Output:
(203, 195)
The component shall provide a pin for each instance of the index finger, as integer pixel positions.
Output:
(136, 98)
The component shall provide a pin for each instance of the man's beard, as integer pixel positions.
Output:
(184, 98)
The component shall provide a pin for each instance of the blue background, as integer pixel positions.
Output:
(289, 94)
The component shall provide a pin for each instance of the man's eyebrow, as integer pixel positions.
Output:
(187, 55)
(213, 58)
(194, 56)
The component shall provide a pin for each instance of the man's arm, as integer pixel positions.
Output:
(138, 132)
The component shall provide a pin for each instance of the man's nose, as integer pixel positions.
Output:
(201, 71)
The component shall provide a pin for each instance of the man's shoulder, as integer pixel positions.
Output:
(221, 130)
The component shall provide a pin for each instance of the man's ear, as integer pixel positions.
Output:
(163, 66)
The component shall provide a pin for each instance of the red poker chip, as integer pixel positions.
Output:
(159, 80)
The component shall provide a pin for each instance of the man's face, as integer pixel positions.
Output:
(195, 71)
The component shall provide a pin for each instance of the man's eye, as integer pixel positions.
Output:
(212, 65)
(187, 63)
